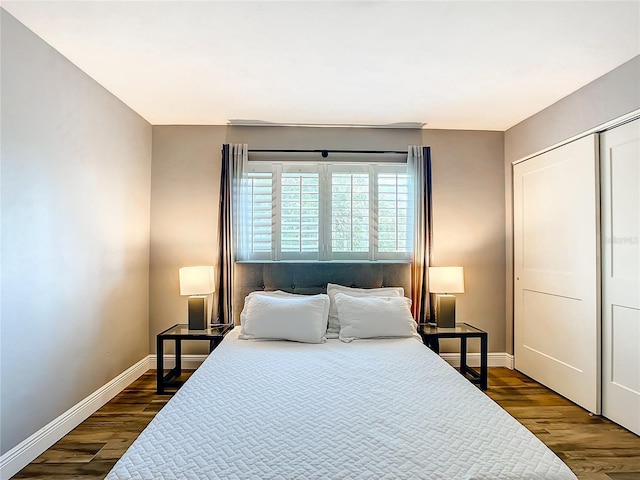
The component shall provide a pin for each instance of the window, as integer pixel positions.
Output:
(350, 212)
(304, 211)
(299, 213)
(393, 213)
(259, 206)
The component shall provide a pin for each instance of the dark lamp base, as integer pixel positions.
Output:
(446, 311)
(198, 312)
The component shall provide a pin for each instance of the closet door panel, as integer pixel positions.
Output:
(620, 154)
(556, 260)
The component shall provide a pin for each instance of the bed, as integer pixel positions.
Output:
(379, 408)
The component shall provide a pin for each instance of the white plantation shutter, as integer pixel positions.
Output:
(255, 214)
(394, 222)
(260, 212)
(300, 213)
(326, 212)
(351, 213)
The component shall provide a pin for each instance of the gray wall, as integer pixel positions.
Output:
(76, 166)
(185, 190)
(325, 137)
(609, 97)
(468, 225)
(468, 204)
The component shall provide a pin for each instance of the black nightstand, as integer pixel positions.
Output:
(432, 334)
(213, 334)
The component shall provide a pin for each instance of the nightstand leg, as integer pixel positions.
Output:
(463, 355)
(160, 366)
(434, 344)
(178, 357)
(484, 372)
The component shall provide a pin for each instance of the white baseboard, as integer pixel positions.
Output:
(473, 359)
(25, 452)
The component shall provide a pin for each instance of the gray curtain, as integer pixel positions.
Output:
(233, 159)
(419, 164)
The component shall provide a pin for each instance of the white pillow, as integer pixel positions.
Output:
(370, 317)
(266, 293)
(269, 293)
(300, 318)
(333, 289)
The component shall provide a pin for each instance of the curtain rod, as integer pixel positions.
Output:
(325, 153)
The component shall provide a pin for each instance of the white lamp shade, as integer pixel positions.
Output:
(446, 280)
(196, 280)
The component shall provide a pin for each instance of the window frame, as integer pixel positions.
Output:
(325, 249)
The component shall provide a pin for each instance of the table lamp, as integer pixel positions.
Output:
(443, 281)
(197, 283)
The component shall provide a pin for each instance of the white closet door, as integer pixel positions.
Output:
(620, 159)
(556, 260)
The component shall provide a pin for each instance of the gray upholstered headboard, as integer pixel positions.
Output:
(312, 277)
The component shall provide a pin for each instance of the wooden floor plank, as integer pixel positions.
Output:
(592, 446)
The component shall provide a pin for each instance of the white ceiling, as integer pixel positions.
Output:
(460, 65)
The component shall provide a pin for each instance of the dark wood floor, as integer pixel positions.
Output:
(594, 448)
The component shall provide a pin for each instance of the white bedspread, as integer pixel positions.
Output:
(371, 409)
